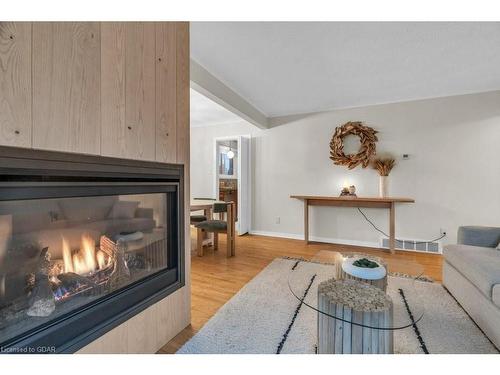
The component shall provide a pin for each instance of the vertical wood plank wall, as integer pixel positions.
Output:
(118, 89)
(15, 84)
(166, 89)
(140, 89)
(114, 133)
(66, 86)
(101, 88)
(183, 140)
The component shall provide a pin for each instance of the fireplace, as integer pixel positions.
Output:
(85, 243)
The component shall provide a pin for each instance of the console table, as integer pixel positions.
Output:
(387, 203)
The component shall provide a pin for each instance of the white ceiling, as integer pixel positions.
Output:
(205, 112)
(299, 67)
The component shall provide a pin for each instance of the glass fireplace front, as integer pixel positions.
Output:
(78, 253)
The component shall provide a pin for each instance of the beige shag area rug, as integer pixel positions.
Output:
(264, 317)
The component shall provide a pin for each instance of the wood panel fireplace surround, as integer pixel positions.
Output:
(86, 242)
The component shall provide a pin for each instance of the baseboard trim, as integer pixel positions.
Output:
(294, 236)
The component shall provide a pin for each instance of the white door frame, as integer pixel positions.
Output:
(244, 192)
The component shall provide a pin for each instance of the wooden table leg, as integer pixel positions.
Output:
(392, 228)
(208, 235)
(229, 230)
(216, 241)
(306, 221)
(199, 241)
(233, 224)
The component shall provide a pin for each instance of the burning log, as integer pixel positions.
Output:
(71, 280)
(41, 300)
(107, 246)
(121, 273)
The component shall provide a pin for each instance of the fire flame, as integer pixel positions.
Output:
(86, 259)
(101, 259)
(68, 262)
(88, 250)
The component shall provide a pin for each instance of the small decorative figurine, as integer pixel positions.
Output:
(344, 192)
(348, 191)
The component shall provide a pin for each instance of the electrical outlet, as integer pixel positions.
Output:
(406, 156)
(278, 220)
(442, 231)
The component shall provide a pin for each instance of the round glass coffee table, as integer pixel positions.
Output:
(358, 304)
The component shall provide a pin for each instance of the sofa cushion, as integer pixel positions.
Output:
(87, 209)
(112, 227)
(28, 216)
(123, 210)
(480, 265)
(212, 225)
(495, 296)
(197, 218)
(478, 236)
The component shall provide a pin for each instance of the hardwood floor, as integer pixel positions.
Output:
(215, 278)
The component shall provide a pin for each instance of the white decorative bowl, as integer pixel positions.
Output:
(361, 272)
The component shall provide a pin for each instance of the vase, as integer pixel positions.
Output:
(383, 186)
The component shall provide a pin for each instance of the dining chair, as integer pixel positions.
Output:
(197, 218)
(219, 226)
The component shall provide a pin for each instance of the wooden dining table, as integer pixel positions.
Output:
(205, 205)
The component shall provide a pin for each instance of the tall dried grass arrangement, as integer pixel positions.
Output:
(383, 166)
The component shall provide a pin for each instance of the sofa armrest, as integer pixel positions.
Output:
(495, 295)
(479, 236)
(146, 213)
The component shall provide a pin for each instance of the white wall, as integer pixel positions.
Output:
(453, 172)
(202, 153)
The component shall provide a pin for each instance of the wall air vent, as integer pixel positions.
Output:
(414, 245)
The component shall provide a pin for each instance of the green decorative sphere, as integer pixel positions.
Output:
(365, 263)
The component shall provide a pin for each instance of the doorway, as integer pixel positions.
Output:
(232, 176)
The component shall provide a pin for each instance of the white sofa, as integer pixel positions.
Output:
(471, 273)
